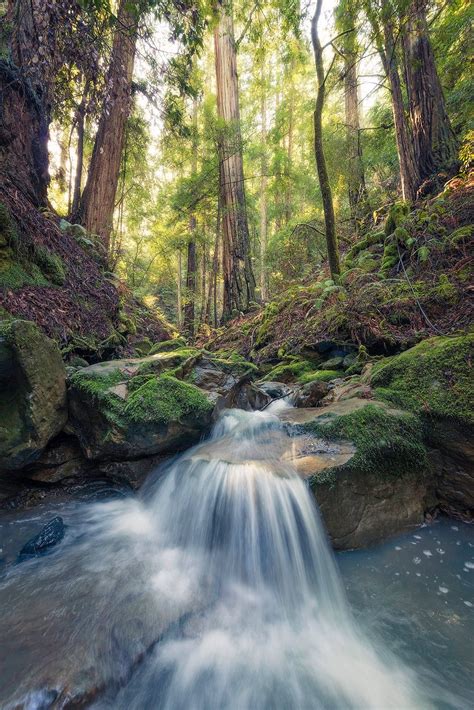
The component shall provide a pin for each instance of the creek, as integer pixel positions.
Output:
(216, 588)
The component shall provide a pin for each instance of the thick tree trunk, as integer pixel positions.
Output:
(289, 152)
(98, 200)
(324, 184)
(179, 294)
(409, 176)
(434, 143)
(26, 86)
(239, 280)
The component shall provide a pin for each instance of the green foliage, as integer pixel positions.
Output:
(434, 378)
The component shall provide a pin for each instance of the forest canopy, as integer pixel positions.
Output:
(217, 152)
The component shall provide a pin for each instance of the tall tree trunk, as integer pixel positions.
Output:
(263, 191)
(80, 119)
(324, 184)
(386, 47)
(239, 280)
(357, 192)
(179, 293)
(98, 200)
(434, 142)
(383, 29)
(190, 305)
(26, 88)
(289, 150)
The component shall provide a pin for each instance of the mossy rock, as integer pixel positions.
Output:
(388, 442)
(434, 379)
(32, 392)
(290, 371)
(167, 345)
(120, 413)
(144, 406)
(384, 487)
(321, 376)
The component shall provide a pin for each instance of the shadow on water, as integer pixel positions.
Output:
(215, 589)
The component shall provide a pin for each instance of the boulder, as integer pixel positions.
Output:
(144, 406)
(378, 482)
(434, 380)
(310, 395)
(32, 393)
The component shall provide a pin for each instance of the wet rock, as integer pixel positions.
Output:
(378, 482)
(32, 393)
(310, 395)
(275, 390)
(50, 535)
(250, 397)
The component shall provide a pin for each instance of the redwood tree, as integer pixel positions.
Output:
(433, 140)
(98, 199)
(239, 280)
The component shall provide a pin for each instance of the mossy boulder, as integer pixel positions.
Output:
(435, 380)
(384, 486)
(32, 393)
(144, 406)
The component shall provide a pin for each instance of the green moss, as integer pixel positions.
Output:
(50, 264)
(433, 378)
(167, 345)
(165, 399)
(321, 376)
(387, 443)
(14, 275)
(395, 217)
(290, 371)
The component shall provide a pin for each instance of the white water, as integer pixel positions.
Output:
(217, 590)
(243, 536)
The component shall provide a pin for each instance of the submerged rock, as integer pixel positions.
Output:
(32, 393)
(50, 535)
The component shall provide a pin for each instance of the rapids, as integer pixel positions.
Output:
(216, 589)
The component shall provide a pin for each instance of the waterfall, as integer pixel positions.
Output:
(215, 589)
(272, 627)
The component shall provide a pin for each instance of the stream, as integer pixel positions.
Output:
(216, 589)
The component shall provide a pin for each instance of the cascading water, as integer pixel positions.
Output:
(216, 590)
(274, 630)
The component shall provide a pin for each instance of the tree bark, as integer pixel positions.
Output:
(98, 199)
(263, 191)
(239, 280)
(26, 89)
(357, 191)
(324, 184)
(191, 272)
(179, 296)
(434, 142)
(409, 177)
(189, 305)
(80, 119)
